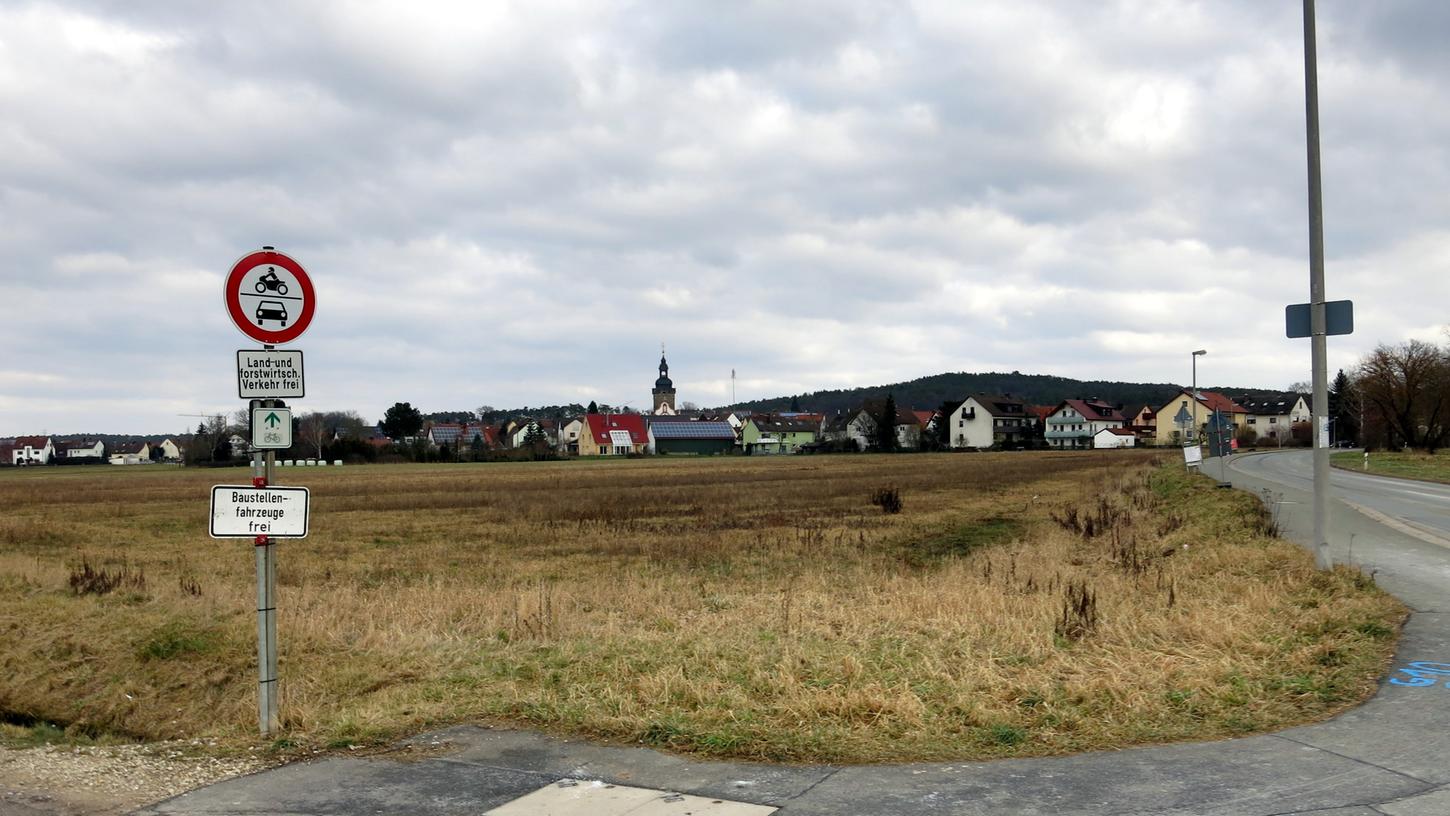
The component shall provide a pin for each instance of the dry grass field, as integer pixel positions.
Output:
(1019, 604)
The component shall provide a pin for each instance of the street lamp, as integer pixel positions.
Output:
(1194, 427)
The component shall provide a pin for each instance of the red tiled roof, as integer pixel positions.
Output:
(1119, 431)
(923, 417)
(31, 441)
(601, 424)
(1214, 401)
(1042, 411)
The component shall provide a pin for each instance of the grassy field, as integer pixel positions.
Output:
(1018, 604)
(1429, 467)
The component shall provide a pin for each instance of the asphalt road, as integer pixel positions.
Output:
(1390, 756)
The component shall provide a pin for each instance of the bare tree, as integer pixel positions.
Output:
(315, 431)
(1408, 388)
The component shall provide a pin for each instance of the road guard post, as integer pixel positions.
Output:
(270, 298)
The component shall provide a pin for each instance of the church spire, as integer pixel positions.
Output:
(664, 390)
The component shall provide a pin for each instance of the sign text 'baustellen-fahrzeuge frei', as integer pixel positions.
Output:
(243, 511)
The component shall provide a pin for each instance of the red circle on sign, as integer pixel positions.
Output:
(232, 292)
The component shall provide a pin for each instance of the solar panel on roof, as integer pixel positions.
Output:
(692, 430)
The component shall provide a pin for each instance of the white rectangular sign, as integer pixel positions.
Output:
(269, 374)
(243, 511)
(271, 428)
(1193, 455)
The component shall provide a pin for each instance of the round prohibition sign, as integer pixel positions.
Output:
(269, 297)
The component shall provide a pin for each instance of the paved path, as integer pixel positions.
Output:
(1390, 756)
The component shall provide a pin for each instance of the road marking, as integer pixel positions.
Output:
(1409, 528)
(576, 797)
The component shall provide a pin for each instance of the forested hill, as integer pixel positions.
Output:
(1036, 389)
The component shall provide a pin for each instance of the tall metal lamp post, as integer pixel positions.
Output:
(1194, 428)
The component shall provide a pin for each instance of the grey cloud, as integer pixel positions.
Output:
(518, 203)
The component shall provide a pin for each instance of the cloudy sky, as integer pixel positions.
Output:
(516, 203)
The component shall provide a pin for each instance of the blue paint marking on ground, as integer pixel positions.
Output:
(1422, 674)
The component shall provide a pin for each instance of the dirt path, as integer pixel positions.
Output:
(103, 781)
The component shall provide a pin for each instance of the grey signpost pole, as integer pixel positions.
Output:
(267, 717)
(1319, 351)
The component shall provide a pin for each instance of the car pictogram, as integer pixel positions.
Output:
(271, 310)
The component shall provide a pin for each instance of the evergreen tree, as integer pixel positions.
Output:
(401, 420)
(944, 423)
(795, 405)
(593, 408)
(1343, 408)
(886, 426)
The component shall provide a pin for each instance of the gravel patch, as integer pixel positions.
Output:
(105, 780)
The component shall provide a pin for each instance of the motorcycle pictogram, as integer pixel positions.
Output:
(272, 282)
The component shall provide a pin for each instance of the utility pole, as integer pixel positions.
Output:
(1318, 348)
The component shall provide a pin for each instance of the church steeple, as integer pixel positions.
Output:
(664, 390)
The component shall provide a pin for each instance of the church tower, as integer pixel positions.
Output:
(664, 390)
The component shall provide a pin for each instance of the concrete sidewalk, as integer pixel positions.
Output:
(1390, 756)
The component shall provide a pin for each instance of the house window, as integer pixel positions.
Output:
(1273, 420)
(1253, 420)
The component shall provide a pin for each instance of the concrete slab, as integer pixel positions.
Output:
(1256, 776)
(741, 781)
(570, 797)
(1434, 803)
(351, 787)
(1404, 728)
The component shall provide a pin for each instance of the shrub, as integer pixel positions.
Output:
(888, 499)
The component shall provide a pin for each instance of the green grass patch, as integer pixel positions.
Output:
(960, 540)
(1426, 467)
(178, 639)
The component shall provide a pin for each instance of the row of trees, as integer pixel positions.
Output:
(315, 435)
(1398, 396)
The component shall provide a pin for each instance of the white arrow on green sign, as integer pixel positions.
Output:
(271, 428)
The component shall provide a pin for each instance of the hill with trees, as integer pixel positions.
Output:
(928, 393)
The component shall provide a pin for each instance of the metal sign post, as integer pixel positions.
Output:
(269, 297)
(1318, 351)
(267, 717)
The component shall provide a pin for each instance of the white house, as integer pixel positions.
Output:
(131, 453)
(569, 435)
(1075, 423)
(32, 450)
(170, 451)
(1273, 416)
(81, 449)
(1115, 438)
(984, 420)
(859, 426)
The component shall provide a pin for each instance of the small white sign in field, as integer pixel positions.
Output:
(243, 511)
(1192, 455)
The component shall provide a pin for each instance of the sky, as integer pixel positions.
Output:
(516, 203)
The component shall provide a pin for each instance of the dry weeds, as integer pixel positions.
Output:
(1019, 604)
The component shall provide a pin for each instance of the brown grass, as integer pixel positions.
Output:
(1018, 604)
